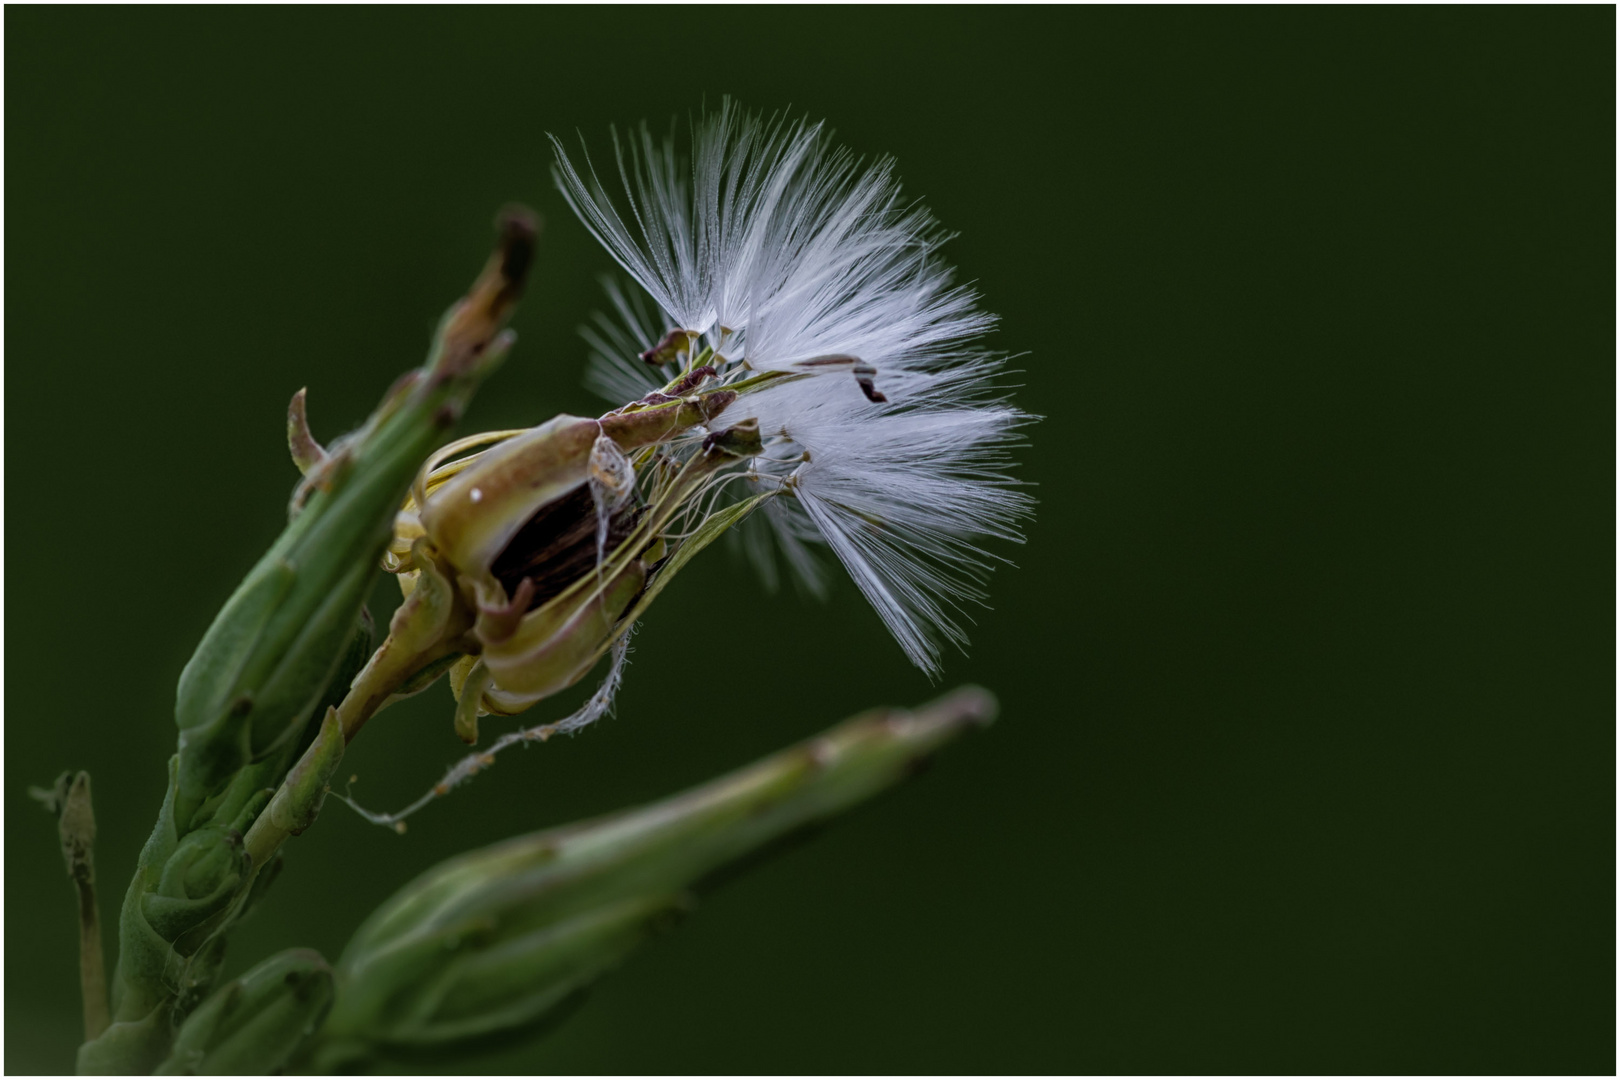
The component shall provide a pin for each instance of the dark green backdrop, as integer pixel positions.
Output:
(1306, 761)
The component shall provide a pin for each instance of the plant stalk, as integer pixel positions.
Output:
(76, 827)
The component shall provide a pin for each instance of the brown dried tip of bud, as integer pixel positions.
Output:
(740, 441)
(519, 226)
(490, 300)
(716, 403)
(862, 371)
(683, 386)
(863, 379)
(692, 379)
(669, 347)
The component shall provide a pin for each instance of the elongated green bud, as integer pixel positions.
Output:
(256, 677)
(286, 645)
(254, 680)
(257, 1024)
(495, 939)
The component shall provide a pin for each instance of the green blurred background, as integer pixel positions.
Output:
(1306, 759)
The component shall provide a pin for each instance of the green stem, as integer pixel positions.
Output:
(76, 828)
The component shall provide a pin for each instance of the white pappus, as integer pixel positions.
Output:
(783, 267)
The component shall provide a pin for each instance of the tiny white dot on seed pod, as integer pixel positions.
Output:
(477, 494)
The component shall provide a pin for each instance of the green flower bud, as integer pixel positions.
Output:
(259, 671)
(199, 881)
(496, 939)
(257, 1024)
(287, 645)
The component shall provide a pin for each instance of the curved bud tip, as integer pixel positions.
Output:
(307, 453)
(473, 323)
(966, 706)
(519, 227)
(864, 374)
(670, 347)
(715, 403)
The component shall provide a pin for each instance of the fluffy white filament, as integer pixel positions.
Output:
(793, 257)
(690, 238)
